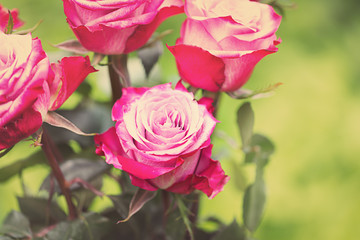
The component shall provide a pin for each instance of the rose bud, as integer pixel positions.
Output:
(162, 140)
(222, 41)
(117, 26)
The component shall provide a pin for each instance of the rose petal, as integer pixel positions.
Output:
(109, 145)
(208, 177)
(19, 128)
(69, 74)
(198, 67)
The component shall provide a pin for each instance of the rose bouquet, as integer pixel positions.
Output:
(153, 142)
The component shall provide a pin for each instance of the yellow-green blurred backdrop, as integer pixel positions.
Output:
(313, 179)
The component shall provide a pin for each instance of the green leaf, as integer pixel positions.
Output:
(89, 116)
(150, 55)
(254, 203)
(66, 230)
(40, 211)
(245, 120)
(175, 226)
(121, 203)
(239, 179)
(85, 169)
(5, 238)
(137, 202)
(16, 225)
(184, 211)
(97, 226)
(231, 232)
(13, 169)
(10, 26)
(90, 226)
(260, 150)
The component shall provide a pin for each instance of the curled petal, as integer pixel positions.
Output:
(69, 74)
(208, 177)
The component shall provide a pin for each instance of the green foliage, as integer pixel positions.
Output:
(231, 232)
(16, 226)
(254, 203)
(15, 168)
(85, 169)
(257, 149)
(140, 198)
(90, 226)
(245, 120)
(51, 212)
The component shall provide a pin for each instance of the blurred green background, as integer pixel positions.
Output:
(313, 179)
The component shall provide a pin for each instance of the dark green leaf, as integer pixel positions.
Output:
(231, 232)
(90, 226)
(97, 226)
(10, 26)
(254, 202)
(140, 198)
(16, 225)
(184, 212)
(89, 116)
(85, 197)
(13, 169)
(121, 203)
(175, 227)
(150, 55)
(245, 120)
(84, 89)
(66, 230)
(78, 168)
(40, 211)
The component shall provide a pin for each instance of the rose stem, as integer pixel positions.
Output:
(195, 206)
(119, 75)
(64, 186)
(166, 204)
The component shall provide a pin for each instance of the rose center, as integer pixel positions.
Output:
(171, 120)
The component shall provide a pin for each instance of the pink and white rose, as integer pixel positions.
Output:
(30, 86)
(222, 41)
(117, 26)
(162, 140)
(4, 18)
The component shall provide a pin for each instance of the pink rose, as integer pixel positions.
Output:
(117, 26)
(30, 86)
(222, 41)
(162, 140)
(4, 18)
